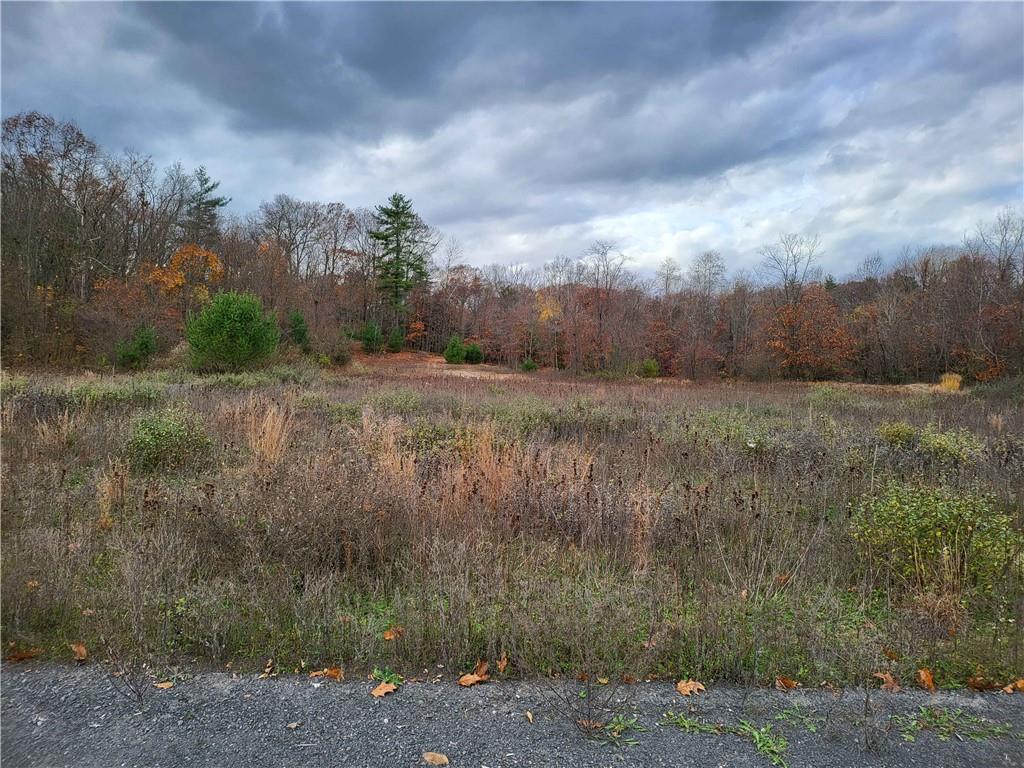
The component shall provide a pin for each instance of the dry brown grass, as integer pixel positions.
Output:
(268, 430)
(575, 525)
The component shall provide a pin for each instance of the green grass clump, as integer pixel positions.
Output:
(12, 386)
(523, 415)
(946, 723)
(397, 402)
(267, 377)
(898, 434)
(166, 439)
(101, 393)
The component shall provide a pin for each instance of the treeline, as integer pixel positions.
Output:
(96, 246)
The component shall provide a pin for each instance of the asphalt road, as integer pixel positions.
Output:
(66, 716)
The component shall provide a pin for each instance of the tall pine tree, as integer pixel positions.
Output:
(202, 217)
(406, 247)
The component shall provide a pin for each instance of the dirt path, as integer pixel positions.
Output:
(61, 716)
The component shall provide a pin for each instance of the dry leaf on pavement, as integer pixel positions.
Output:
(687, 687)
(924, 675)
(383, 690)
(889, 682)
(478, 675)
(435, 758)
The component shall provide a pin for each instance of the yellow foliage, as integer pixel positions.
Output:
(951, 382)
(548, 309)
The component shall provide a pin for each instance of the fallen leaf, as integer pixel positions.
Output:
(164, 685)
(435, 758)
(979, 683)
(744, 594)
(924, 675)
(383, 690)
(334, 673)
(393, 633)
(293, 726)
(15, 656)
(687, 687)
(478, 675)
(783, 578)
(81, 654)
(591, 725)
(529, 714)
(502, 663)
(785, 684)
(1015, 687)
(268, 670)
(31, 584)
(890, 654)
(628, 679)
(602, 681)
(888, 682)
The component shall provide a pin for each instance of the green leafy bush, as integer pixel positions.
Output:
(528, 366)
(168, 438)
(136, 352)
(372, 338)
(298, 331)
(649, 368)
(455, 352)
(953, 446)
(930, 535)
(231, 333)
(898, 434)
(473, 353)
(396, 340)
(396, 401)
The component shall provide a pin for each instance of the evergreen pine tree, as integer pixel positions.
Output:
(202, 217)
(405, 246)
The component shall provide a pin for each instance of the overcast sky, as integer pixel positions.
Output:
(529, 130)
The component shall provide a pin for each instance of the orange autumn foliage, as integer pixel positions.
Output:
(808, 337)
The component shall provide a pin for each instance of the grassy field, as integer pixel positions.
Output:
(722, 532)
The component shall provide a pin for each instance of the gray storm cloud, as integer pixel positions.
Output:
(527, 130)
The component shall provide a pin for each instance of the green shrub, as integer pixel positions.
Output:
(1005, 391)
(396, 340)
(455, 352)
(827, 396)
(12, 386)
(231, 332)
(136, 352)
(372, 338)
(649, 368)
(267, 377)
(898, 434)
(396, 401)
(528, 366)
(953, 446)
(117, 392)
(166, 439)
(928, 534)
(473, 353)
(298, 331)
(523, 415)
